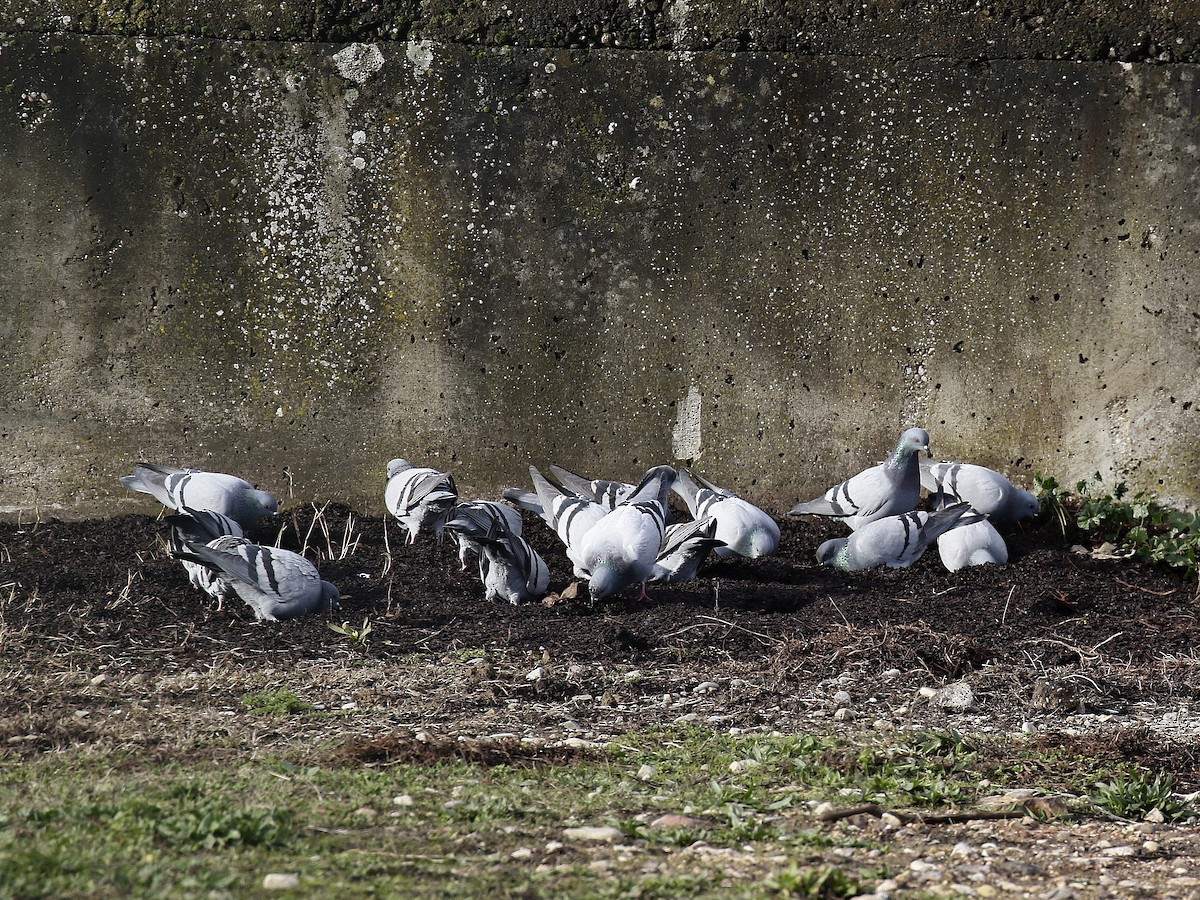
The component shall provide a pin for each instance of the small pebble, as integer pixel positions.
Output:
(403, 800)
(278, 881)
(521, 853)
(602, 834)
(743, 765)
(842, 698)
(645, 773)
(705, 687)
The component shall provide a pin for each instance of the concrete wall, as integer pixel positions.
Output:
(293, 245)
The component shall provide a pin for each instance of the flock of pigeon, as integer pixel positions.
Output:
(617, 536)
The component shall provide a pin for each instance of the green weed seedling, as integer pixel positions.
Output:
(1133, 796)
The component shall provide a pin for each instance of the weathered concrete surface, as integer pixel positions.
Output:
(295, 261)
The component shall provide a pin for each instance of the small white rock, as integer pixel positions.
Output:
(743, 765)
(279, 881)
(1150, 846)
(521, 853)
(536, 675)
(1119, 851)
(843, 714)
(1156, 816)
(403, 800)
(602, 834)
(842, 698)
(705, 687)
(98, 680)
(645, 773)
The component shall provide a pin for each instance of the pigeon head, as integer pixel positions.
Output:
(330, 596)
(606, 580)
(834, 553)
(915, 440)
(759, 542)
(1024, 505)
(267, 501)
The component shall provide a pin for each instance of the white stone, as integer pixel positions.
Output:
(403, 800)
(645, 773)
(278, 881)
(601, 834)
(743, 765)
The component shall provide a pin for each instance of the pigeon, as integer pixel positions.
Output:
(608, 494)
(276, 584)
(743, 528)
(893, 541)
(974, 543)
(888, 489)
(473, 519)
(988, 492)
(217, 531)
(571, 516)
(684, 549)
(510, 568)
(419, 497)
(196, 489)
(620, 550)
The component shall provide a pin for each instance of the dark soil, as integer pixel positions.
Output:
(1103, 636)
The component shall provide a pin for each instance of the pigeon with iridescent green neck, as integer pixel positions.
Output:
(888, 489)
(893, 541)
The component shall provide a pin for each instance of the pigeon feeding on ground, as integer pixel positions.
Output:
(276, 584)
(975, 543)
(419, 497)
(571, 516)
(888, 489)
(685, 547)
(743, 528)
(620, 550)
(893, 541)
(474, 519)
(510, 568)
(178, 488)
(609, 494)
(214, 530)
(988, 492)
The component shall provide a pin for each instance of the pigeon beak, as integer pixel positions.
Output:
(929, 453)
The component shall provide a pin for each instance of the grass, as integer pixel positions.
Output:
(450, 827)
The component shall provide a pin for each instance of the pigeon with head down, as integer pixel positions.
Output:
(743, 528)
(988, 492)
(893, 541)
(685, 547)
(178, 489)
(472, 520)
(419, 497)
(569, 515)
(216, 531)
(621, 549)
(888, 489)
(276, 584)
(972, 543)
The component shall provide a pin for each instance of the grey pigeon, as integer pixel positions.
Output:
(988, 492)
(473, 519)
(620, 550)
(571, 516)
(196, 489)
(685, 547)
(894, 541)
(219, 532)
(974, 543)
(510, 568)
(419, 497)
(743, 528)
(888, 489)
(609, 494)
(276, 584)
